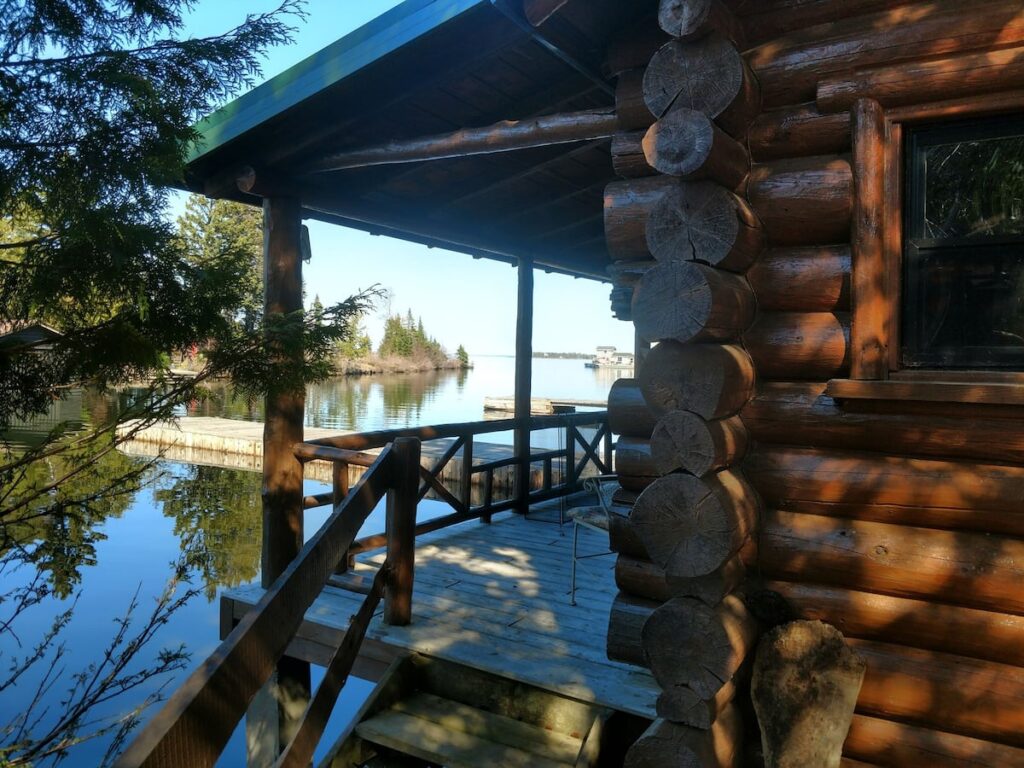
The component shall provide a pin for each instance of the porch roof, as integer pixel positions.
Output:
(428, 67)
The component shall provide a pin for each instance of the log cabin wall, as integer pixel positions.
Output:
(749, 222)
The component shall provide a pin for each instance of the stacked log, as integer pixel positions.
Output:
(684, 206)
(899, 522)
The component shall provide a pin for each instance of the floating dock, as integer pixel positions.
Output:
(542, 406)
(235, 444)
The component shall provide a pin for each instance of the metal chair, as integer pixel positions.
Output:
(593, 517)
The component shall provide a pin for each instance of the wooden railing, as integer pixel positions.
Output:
(194, 726)
(575, 453)
(197, 721)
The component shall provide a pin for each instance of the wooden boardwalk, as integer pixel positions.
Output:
(237, 444)
(496, 598)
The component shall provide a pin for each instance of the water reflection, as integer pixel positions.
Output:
(219, 512)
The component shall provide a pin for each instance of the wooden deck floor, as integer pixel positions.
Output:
(496, 598)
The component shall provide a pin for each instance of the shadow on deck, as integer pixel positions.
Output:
(495, 598)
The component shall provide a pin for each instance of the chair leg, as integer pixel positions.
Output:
(572, 576)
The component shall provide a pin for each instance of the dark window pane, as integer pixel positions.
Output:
(974, 188)
(964, 307)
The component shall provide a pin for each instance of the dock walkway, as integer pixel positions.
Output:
(495, 598)
(236, 444)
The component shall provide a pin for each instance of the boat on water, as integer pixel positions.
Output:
(610, 357)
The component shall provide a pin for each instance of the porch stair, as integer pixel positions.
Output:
(430, 712)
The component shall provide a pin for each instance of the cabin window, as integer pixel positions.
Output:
(962, 301)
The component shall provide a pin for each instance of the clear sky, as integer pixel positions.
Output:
(462, 300)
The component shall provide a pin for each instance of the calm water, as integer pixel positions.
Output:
(131, 542)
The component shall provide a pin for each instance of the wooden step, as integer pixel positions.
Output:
(487, 725)
(458, 736)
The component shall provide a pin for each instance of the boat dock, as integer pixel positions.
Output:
(236, 444)
(541, 406)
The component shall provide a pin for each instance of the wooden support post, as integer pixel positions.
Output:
(282, 472)
(524, 383)
(401, 530)
(869, 340)
(339, 476)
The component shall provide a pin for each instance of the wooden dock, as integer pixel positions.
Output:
(541, 406)
(235, 444)
(494, 598)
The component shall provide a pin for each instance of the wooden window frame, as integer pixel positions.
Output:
(877, 263)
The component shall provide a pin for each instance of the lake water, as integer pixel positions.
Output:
(129, 544)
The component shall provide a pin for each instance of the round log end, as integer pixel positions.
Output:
(687, 643)
(692, 526)
(706, 75)
(683, 18)
(682, 441)
(685, 301)
(711, 380)
(680, 143)
(704, 222)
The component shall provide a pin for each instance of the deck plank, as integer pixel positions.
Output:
(495, 598)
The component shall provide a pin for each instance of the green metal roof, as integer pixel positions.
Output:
(343, 58)
(428, 67)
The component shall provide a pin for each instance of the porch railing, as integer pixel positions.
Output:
(195, 724)
(571, 459)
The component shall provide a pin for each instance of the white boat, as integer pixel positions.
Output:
(610, 357)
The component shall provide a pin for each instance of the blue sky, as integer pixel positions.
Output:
(461, 300)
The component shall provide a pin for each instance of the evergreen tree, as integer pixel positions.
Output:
(212, 230)
(97, 105)
(462, 356)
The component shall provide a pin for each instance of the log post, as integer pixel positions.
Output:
(524, 385)
(868, 331)
(685, 301)
(285, 410)
(283, 428)
(401, 530)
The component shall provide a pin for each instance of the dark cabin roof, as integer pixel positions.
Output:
(428, 67)
(38, 336)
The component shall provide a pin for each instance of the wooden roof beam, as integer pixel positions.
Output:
(506, 136)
